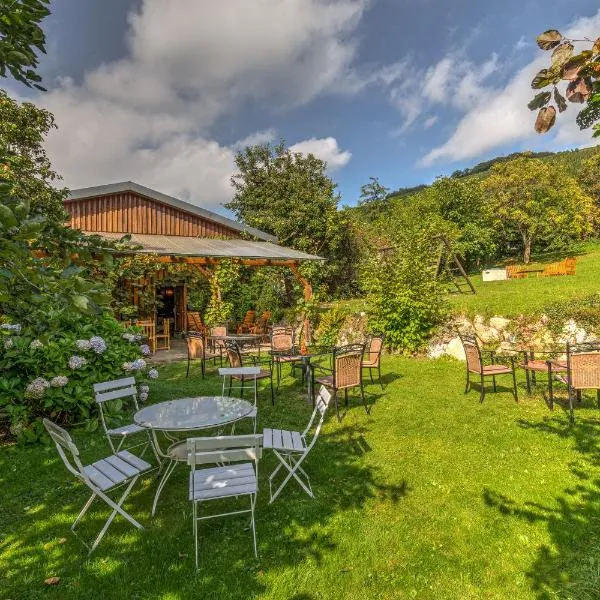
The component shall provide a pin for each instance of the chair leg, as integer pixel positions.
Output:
(242, 388)
(571, 411)
(188, 369)
(170, 468)
(364, 400)
(514, 378)
(346, 397)
(494, 381)
(528, 381)
(482, 390)
(337, 407)
(371, 374)
(598, 398)
(272, 390)
(83, 511)
(579, 396)
(550, 390)
(379, 374)
(468, 384)
(195, 519)
(252, 505)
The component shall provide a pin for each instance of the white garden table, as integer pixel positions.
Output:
(183, 415)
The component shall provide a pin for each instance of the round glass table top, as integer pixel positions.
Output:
(193, 413)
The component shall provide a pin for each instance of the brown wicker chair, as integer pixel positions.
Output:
(583, 372)
(218, 346)
(345, 374)
(514, 272)
(248, 322)
(282, 348)
(570, 265)
(372, 357)
(550, 366)
(475, 365)
(260, 327)
(196, 350)
(234, 356)
(194, 322)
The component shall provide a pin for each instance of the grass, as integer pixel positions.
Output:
(432, 496)
(526, 296)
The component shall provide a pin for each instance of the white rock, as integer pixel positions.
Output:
(436, 350)
(499, 323)
(455, 349)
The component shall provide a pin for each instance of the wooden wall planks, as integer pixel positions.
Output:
(131, 213)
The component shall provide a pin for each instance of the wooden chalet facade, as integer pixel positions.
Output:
(175, 231)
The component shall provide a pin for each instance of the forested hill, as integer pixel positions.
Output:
(571, 159)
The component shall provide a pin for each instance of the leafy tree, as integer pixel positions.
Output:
(290, 195)
(21, 37)
(590, 177)
(23, 128)
(538, 201)
(581, 71)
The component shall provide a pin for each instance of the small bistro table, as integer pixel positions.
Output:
(241, 339)
(184, 415)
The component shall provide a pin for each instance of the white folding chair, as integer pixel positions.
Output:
(226, 480)
(243, 374)
(291, 447)
(101, 476)
(121, 389)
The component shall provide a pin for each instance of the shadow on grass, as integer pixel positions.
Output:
(570, 566)
(35, 541)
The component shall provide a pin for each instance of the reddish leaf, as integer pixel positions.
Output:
(578, 91)
(549, 39)
(545, 119)
(52, 580)
(562, 54)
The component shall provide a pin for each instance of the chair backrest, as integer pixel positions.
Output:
(64, 442)
(116, 389)
(194, 321)
(374, 349)
(149, 330)
(513, 271)
(347, 371)
(321, 404)
(249, 317)
(282, 338)
(583, 365)
(233, 354)
(166, 330)
(224, 449)
(472, 352)
(220, 330)
(195, 345)
(570, 265)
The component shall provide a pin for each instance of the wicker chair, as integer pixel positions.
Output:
(282, 348)
(475, 365)
(260, 327)
(194, 322)
(551, 367)
(234, 356)
(246, 324)
(196, 350)
(570, 265)
(163, 338)
(345, 374)
(218, 346)
(583, 372)
(372, 358)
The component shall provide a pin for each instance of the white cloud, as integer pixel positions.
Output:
(430, 122)
(259, 137)
(148, 117)
(326, 149)
(497, 116)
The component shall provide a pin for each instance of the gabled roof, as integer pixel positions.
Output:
(130, 186)
(177, 245)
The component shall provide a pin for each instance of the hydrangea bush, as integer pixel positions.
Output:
(52, 374)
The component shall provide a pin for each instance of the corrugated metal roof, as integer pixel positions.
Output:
(131, 186)
(175, 245)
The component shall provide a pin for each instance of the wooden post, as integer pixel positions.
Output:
(308, 292)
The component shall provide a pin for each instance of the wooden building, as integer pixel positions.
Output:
(176, 231)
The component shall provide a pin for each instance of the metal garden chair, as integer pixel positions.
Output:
(292, 447)
(345, 374)
(475, 366)
(101, 477)
(121, 389)
(196, 350)
(282, 348)
(228, 480)
(372, 356)
(244, 373)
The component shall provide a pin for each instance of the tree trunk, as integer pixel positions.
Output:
(526, 248)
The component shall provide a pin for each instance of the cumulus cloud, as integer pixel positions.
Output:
(149, 116)
(326, 149)
(497, 116)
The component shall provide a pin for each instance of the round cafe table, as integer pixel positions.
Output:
(183, 415)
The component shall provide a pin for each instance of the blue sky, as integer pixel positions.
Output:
(164, 93)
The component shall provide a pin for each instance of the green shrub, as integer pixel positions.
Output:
(329, 325)
(52, 375)
(584, 311)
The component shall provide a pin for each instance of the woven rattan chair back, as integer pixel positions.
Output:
(472, 353)
(347, 366)
(233, 355)
(282, 339)
(373, 354)
(195, 345)
(221, 330)
(584, 366)
(570, 265)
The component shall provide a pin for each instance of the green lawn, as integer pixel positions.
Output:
(516, 296)
(433, 496)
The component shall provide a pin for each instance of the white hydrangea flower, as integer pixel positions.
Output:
(126, 366)
(83, 344)
(144, 389)
(145, 349)
(143, 397)
(37, 388)
(129, 337)
(153, 374)
(59, 381)
(36, 345)
(16, 327)
(9, 343)
(139, 363)
(97, 344)
(76, 362)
